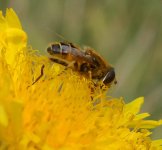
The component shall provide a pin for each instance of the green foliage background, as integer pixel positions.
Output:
(128, 33)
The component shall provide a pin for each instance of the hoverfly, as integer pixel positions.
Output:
(86, 62)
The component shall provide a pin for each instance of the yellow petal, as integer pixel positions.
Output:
(12, 38)
(134, 106)
(15, 40)
(3, 117)
(12, 19)
(148, 124)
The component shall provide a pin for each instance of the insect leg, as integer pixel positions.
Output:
(90, 74)
(67, 65)
(70, 65)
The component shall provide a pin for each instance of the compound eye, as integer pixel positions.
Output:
(109, 77)
(84, 68)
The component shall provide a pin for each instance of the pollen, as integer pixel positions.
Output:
(59, 111)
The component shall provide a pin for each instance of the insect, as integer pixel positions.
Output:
(86, 62)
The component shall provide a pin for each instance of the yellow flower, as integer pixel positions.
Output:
(57, 113)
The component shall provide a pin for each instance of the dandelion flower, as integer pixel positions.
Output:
(57, 113)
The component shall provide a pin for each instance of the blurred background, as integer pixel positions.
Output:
(127, 33)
